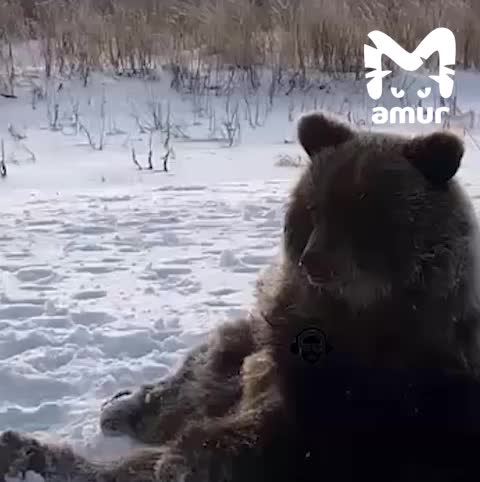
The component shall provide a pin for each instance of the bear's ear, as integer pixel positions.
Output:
(317, 131)
(437, 156)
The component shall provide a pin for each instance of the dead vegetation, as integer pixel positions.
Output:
(197, 40)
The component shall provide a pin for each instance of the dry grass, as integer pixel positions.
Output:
(197, 39)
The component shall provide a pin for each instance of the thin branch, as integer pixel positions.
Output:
(135, 161)
(3, 166)
(150, 153)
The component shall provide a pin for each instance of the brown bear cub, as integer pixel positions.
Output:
(360, 359)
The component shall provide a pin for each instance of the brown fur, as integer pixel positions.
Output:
(394, 254)
(380, 254)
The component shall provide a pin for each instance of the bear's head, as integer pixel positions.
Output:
(377, 220)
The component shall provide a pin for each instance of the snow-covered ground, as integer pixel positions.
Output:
(108, 274)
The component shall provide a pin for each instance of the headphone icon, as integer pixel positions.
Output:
(311, 345)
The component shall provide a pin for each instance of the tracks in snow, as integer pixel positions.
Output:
(103, 292)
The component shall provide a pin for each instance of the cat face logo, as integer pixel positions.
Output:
(440, 40)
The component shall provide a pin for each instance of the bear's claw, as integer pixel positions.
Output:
(19, 454)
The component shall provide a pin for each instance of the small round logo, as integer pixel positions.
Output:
(311, 345)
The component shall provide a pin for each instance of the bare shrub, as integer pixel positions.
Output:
(201, 40)
(3, 166)
(231, 123)
(168, 149)
(53, 106)
(98, 143)
(12, 29)
(169, 152)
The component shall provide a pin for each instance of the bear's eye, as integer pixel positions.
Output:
(311, 207)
